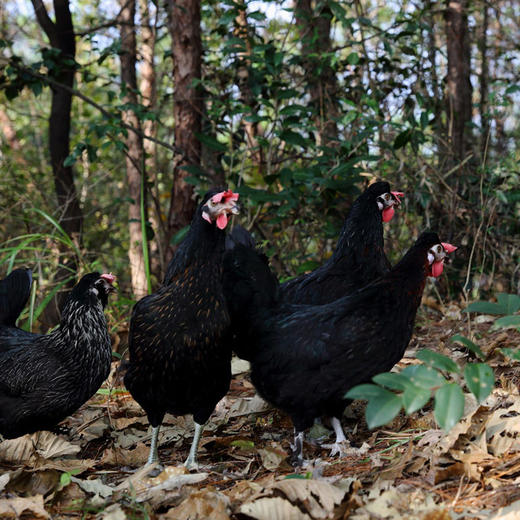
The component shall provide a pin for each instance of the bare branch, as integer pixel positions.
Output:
(45, 22)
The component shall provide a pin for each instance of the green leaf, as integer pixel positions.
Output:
(507, 321)
(438, 361)
(473, 347)
(366, 391)
(353, 58)
(65, 479)
(511, 353)
(243, 444)
(509, 302)
(424, 377)
(449, 406)
(402, 139)
(479, 379)
(382, 409)
(414, 398)
(485, 308)
(293, 138)
(211, 142)
(393, 381)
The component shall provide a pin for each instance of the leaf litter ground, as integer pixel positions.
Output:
(92, 466)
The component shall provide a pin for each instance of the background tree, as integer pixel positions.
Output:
(135, 164)
(184, 25)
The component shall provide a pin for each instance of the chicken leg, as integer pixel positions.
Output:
(154, 453)
(191, 461)
(297, 449)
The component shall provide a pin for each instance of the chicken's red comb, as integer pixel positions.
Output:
(225, 196)
(448, 247)
(109, 277)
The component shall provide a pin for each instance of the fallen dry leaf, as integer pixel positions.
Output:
(135, 457)
(272, 457)
(201, 505)
(273, 508)
(41, 444)
(19, 507)
(94, 487)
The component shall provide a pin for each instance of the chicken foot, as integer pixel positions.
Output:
(341, 443)
(191, 461)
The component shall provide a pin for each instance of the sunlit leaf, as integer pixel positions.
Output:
(382, 409)
(473, 347)
(480, 379)
(449, 405)
(436, 360)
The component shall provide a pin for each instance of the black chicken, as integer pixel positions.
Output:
(179, 360)
(359, 257)
(47, 377)
(305, 358)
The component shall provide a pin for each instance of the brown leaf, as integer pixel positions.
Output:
(41, 444)
(502, 429)
(201, 505)
(319, 498)
(124, 457)
(273, 508)
(27, 508)
(272, 457)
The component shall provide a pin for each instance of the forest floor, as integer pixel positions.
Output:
(93, 468)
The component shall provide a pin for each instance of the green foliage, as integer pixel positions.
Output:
(415, 384)
(449, 405)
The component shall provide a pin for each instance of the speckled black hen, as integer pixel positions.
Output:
(180, 362)
(359, 257)
(304, 358)
(45, 378)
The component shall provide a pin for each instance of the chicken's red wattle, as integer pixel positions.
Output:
(388, 214)
(222, 221)
(437, 268)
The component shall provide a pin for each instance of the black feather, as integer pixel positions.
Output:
(14, 293)
(305, 358)
(47, 377)
(179, 360)
(358, 259)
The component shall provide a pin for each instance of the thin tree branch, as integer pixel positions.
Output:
(91, 102)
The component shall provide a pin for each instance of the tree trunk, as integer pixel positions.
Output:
(458, 79)
(244, 62)
(61, 36)
(184, 24)
(148, 90)
(314, 27)
(134, 144)
(484, 89)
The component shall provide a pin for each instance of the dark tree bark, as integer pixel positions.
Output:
(184, 25)
(134, 144)
(61, 36)
(458, 79)
(148, 88)
(314, 25)
(251, 130)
